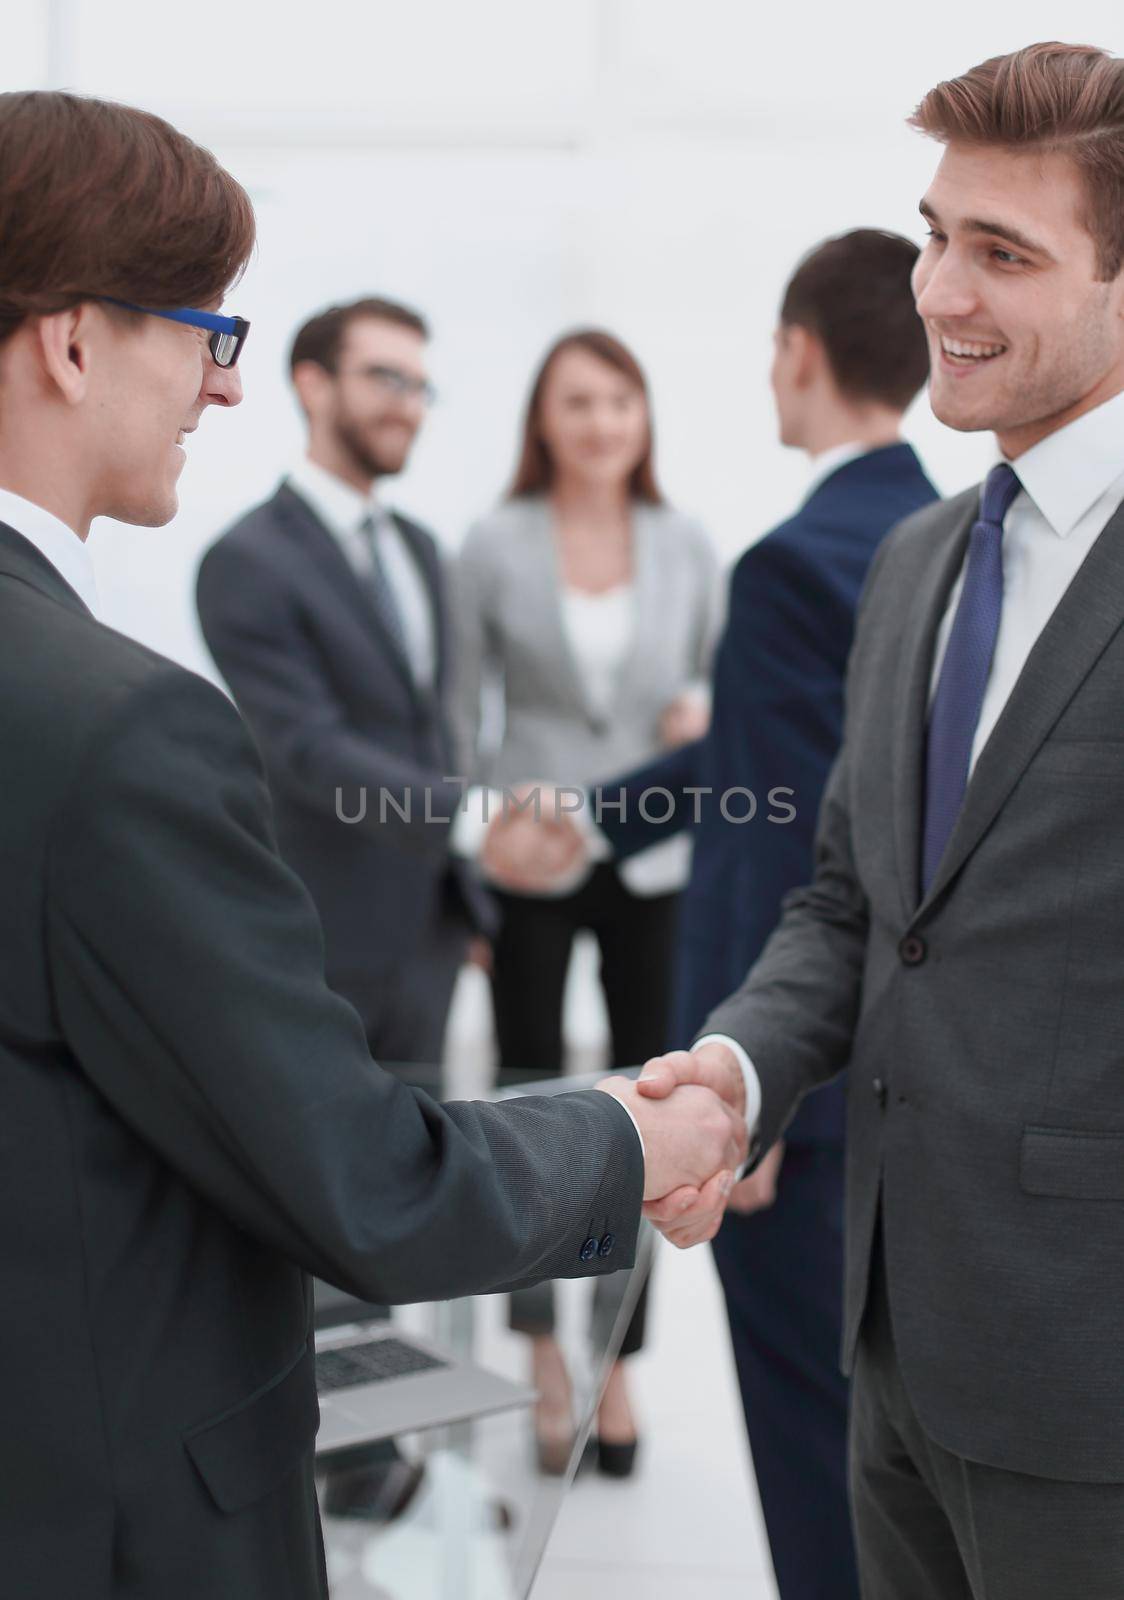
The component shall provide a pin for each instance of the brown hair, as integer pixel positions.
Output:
(321, 337)
(534, 473)
(853, 292)
(1058, 98)
(103, 199)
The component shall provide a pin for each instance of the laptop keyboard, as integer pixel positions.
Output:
(373, 1362)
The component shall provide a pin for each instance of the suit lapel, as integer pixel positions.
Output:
(426, 564)
(20, 559)
(925, 612)
(1083, 624)
(337, 570)
(549, 582)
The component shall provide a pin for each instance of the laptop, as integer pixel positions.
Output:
(375, 1381)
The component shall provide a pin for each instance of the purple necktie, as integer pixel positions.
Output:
(964, 671)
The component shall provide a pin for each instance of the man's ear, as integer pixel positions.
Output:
(63, 343)
(313, 385)
(806, 353)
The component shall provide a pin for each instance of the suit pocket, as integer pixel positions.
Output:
(249, 1450)
(1072, 1165)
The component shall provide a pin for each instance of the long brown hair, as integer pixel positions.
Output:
(1064, 98)
(535, 471)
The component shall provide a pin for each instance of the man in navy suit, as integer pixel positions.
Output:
(850, 356)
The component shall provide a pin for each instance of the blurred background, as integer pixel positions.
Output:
(513, 169)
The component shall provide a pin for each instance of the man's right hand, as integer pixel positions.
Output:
(692, 1214)
(690, 1138)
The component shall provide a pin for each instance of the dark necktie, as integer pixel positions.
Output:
(379, 589)
(964, 672)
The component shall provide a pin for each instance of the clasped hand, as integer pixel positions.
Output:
(689, 1210)
(691, 1116)
(534, 847)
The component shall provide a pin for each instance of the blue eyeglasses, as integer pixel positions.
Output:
(228, 334)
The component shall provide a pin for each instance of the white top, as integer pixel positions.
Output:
(61, 546)
(599, 629)
(1073, 482)
(343, 510)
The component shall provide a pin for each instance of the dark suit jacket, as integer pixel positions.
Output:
(190, 1122)
(984, 1023)
(777, 722)
(332, 704)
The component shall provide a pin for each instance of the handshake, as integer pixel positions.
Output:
(690, 1109)
(535, 846)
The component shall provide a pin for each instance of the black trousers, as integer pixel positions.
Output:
(636, 939)
(931, 1525)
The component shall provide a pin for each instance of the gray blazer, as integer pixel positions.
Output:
(984, 1024)
(508, 626)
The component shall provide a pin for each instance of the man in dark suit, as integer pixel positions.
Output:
(850, 355)
(190, 1120)
(326, 613)
(959, 943)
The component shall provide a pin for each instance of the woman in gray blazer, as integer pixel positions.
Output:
(589, 606)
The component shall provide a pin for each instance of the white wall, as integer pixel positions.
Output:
(513, 168)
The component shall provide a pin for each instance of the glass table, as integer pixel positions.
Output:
(479, 1523)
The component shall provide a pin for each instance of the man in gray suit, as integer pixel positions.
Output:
(960, 944)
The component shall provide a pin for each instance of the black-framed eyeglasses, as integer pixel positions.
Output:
(396, 382)
(228, 334)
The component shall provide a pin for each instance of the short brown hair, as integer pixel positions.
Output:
(1066, 99)
(103, 199)
(320, 339)
(854, 293)
(534, 473)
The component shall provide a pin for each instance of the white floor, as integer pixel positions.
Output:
(688, 1524)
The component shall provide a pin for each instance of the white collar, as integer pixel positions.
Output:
(57, 543)
(829, 461)
(340, 507)
(1065, 473)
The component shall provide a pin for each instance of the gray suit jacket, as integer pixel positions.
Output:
(984, 1024)
(508, 623)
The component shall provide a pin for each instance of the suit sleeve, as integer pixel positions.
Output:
(186, 962)
(622, 812)
(253, 631)
(795, 1014)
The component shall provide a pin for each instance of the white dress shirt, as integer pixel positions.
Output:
(343, 510)
(57, 543)
(1072, 483)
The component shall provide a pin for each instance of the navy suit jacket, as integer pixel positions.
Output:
(777, 724)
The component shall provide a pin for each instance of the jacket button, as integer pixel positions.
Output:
(913, 950)
(588, 1250)
(606, 1246)
(879, 1089)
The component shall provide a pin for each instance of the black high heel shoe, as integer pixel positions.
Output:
(616, 1460)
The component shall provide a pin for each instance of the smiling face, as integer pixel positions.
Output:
(1022, 335)
(592, 419)
(150, 380)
